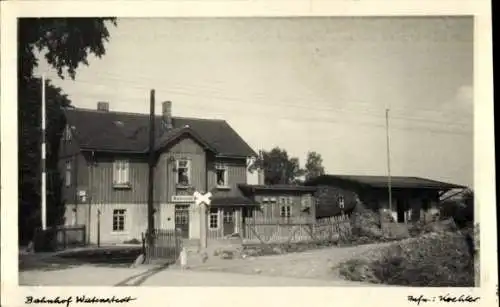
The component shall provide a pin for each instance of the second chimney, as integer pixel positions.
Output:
(103, 106)
(167, 114)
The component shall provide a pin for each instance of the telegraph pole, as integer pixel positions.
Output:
(389, 183)
(151, 167)
(44, 172)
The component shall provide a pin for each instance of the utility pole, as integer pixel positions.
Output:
(44, 172)
(151, 168)
(389, 183)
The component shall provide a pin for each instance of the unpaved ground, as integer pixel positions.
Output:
(316, 264)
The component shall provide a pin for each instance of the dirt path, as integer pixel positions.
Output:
(317, 264)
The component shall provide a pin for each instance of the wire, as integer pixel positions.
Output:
(365, 104)
(327, 109)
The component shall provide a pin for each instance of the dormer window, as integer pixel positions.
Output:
(221, 174)
(183, 169)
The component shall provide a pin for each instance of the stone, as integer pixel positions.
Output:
(138, 261)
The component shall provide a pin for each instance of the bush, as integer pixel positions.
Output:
(132, 241)
(461, 210)
(365, 223)
(434, 259)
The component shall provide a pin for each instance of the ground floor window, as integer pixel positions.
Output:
(214, 218)
(119, 219)
(286, 211)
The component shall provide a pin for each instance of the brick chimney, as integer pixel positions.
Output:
(167, 115)
(103, 106)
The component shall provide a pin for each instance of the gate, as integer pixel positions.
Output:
(182, 220)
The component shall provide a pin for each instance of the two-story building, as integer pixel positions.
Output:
(104, 161)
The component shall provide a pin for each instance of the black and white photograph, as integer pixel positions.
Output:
(287, 151)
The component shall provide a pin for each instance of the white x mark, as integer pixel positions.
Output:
(202, 199)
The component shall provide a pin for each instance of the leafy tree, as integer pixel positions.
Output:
(314, 165)
(65, 43)
(278, 167)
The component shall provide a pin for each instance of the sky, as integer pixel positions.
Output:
(304, 84)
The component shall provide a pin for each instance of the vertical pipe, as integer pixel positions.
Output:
(389, 183)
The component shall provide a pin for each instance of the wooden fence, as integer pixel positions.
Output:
(60, 237)
(297, 229)
(167, 244)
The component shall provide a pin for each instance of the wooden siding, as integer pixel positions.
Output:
(237, 174)
(272, 210)
(101, 180)
(79, 176)
(165, 185)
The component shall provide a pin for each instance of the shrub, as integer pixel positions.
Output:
(434, 259)
(461, 209)
(132, 241)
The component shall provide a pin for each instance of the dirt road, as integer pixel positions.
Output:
(317, 264)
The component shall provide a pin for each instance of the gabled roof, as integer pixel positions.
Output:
(129, 132)
(397, 182)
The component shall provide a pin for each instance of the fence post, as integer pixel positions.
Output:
(65, 245)
(143, 244)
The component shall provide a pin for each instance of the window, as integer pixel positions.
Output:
(67, 134)
(67, 176)
(119, 220)
(121, 172)
(183, 172)
(221, 174)
(341, 202)
(285, 211)
(214, 218)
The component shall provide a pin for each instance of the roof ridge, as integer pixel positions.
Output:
(141, 114)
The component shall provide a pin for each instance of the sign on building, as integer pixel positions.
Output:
(182, 198)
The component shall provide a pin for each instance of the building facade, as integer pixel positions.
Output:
(411, 197)
(104, 160)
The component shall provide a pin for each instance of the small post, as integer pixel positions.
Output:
(203, 226)
(98, 228)
(203, 201)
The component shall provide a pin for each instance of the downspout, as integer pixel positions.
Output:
(90, 182)
(75, 161)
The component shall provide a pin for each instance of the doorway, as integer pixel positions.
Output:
(401, 206)
(228, 221)
(182, 219)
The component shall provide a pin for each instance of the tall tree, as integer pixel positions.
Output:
(65, 43)
(314, 165)
(278, 167)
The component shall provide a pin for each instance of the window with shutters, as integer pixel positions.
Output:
(121, 173)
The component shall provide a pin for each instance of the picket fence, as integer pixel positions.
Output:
(297, 229)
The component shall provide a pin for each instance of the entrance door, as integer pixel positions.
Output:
(228, 221)
(401, 210)
(182, 219)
